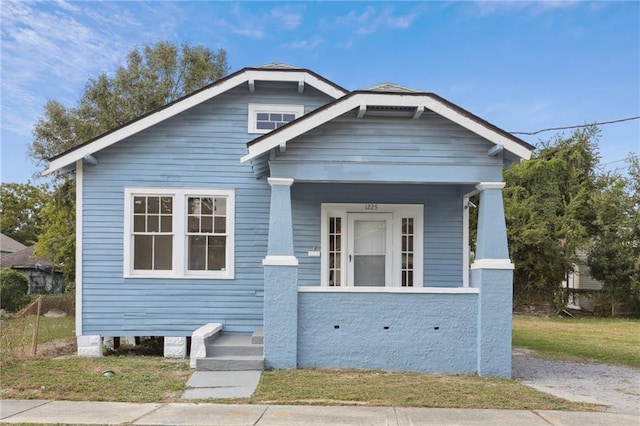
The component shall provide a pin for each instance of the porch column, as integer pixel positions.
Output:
(492, 273)
(280, 282)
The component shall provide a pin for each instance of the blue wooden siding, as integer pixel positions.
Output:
(200, 148)
(430, 139)
(434, 333)
(398, 149)
(442, 224)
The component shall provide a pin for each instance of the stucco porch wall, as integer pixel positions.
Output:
(427, 332)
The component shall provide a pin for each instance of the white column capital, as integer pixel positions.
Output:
(492, 264)
(490, 185)
(280, 181)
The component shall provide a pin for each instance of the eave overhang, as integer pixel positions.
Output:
(420, 101)
(245, 75)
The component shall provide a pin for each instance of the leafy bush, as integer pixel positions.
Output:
(13, 290)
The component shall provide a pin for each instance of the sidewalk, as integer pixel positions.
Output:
(85, 412)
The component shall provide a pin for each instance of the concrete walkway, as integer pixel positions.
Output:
(67, 412)
(222, 384)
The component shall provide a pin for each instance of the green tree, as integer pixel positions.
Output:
(614, 258)
(20, 210)
(153, 76)
(549, 214)
(57, 240)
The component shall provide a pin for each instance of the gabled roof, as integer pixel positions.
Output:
(9, 245)
(278, 66)
(364, 98)
(390, 87)
(24, 259)
(269, 72)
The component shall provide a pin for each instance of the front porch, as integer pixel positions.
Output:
(449, 319)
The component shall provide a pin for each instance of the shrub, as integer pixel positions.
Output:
(13, 290)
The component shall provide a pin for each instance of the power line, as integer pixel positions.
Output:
(576, 127)
(618, 161)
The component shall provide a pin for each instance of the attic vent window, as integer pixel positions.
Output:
(265, 118)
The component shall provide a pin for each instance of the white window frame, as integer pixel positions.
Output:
(398, 211)
(180, 238)
(254, 109)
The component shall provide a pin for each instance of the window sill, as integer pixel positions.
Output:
(401, 290)
(179, 277)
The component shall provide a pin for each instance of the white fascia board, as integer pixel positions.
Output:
(302, 126)
(185, 104)
(339, 108)
(145, 123)
(479, 129)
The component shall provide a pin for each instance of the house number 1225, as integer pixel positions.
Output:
(371, 207)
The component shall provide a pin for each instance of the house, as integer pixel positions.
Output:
(8, 245)
(41, 273)
(335, 221)
(583, 288)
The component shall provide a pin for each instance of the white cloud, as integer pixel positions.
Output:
(287, 17)
(50, 49)
(305, 44)
(534, 7)
(372, 19)
(258, 24)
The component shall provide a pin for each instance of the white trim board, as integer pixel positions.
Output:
(311, 121)
(398, 290)
(179, 218)
(186, 103)
(79, 236)
(342, 210)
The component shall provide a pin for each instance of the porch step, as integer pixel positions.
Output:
(231, 352)
(230, 363)
(257, 338)
(233, 345)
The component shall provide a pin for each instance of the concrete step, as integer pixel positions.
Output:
(257, 338)
(233, 344)
(230, 363)
(234, 350)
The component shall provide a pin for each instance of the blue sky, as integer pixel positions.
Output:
(522, 66)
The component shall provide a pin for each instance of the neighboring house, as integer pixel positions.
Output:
(336, 220)
(581, 279)
(8, 245)
(41, 273)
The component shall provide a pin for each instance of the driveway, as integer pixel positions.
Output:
(613, 386)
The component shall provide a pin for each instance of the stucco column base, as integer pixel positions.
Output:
(175, 347)
(494, 320)
(89, 346)
(280, 317)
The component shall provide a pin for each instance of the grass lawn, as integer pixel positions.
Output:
(379, 388)
(136, 379)
(154, 379)
(612, 341)
(16, 334)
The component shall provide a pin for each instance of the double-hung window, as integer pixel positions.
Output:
(174, 233)
(372, 245)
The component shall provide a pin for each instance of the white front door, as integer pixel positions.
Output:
(369, 249)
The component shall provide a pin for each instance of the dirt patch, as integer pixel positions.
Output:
(58, 347)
